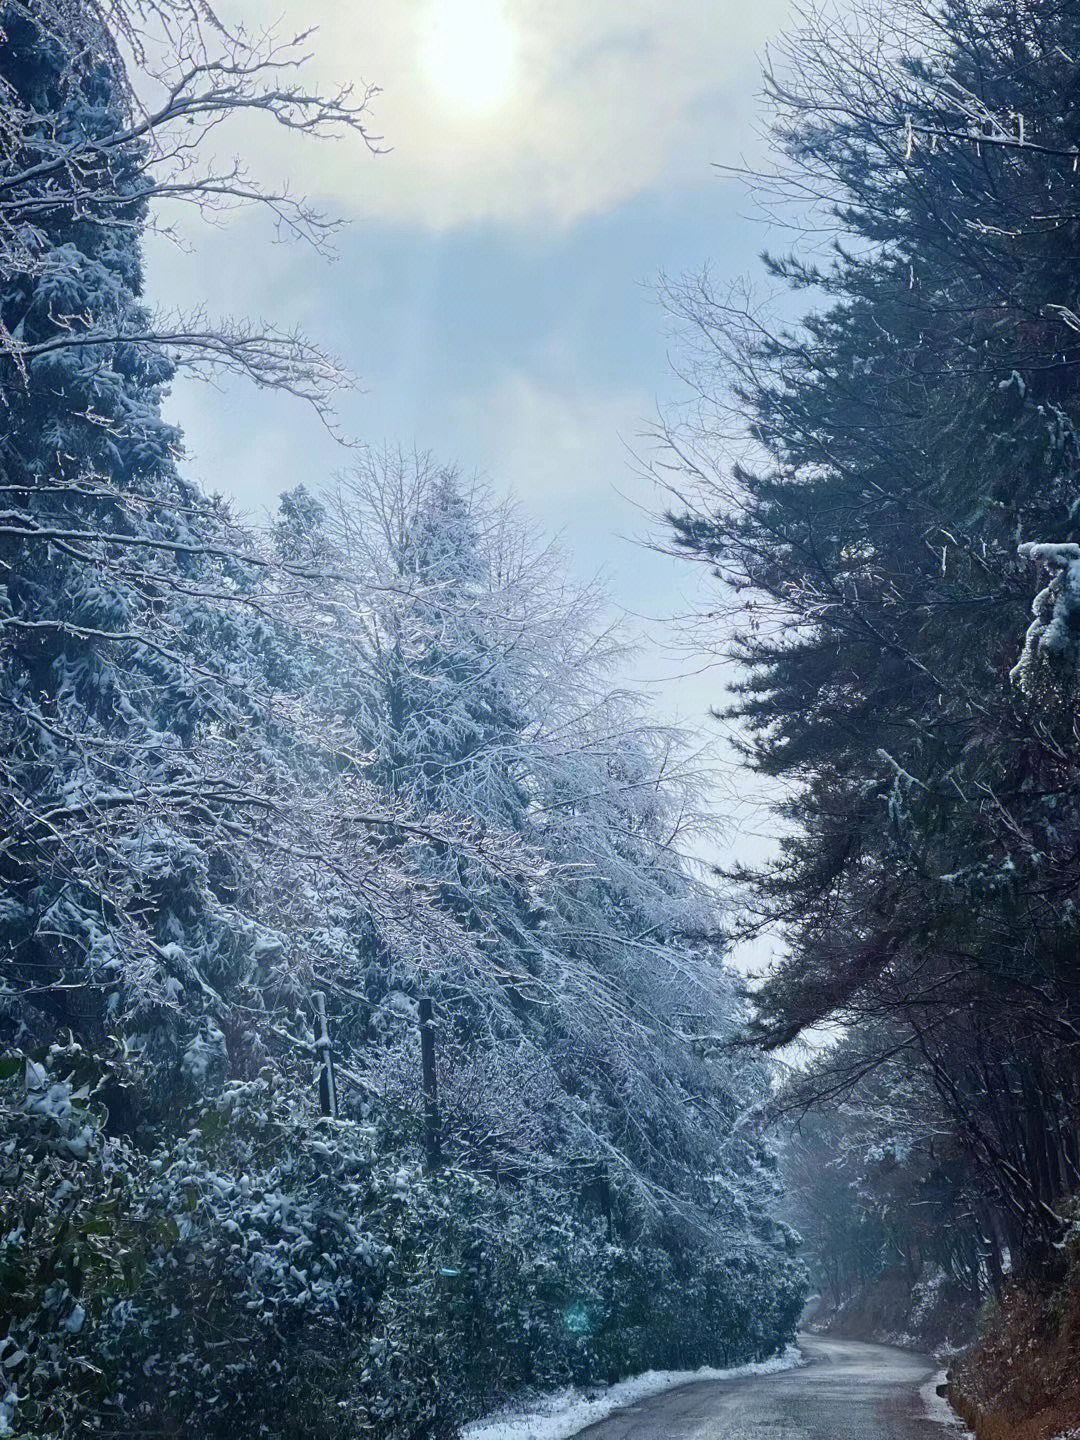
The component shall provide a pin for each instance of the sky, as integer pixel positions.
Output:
(494, 290)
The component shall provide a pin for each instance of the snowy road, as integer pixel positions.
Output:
(848, 1391)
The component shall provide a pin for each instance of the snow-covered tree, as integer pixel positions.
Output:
(115, 120)
(174, 815)
(588, 1053)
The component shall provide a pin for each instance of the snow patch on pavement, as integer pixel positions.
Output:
(940, 1411)
(562, 1415)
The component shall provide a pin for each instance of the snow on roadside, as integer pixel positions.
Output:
(940, 1412)
(561, 1416)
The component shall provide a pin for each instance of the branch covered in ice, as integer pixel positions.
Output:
(1052, 642)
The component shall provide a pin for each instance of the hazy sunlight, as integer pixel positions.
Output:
(469, 53)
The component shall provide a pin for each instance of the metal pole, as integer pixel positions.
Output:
(431, 1099)
(328, 1101)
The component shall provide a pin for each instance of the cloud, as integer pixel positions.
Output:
(611, 99)
(560, 445)
(568, 453)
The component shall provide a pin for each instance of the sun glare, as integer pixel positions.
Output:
(469, 53)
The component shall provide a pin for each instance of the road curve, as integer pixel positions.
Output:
(848, 1391)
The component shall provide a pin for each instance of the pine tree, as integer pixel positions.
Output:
(916, 425)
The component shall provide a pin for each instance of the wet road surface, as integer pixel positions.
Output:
(848, 1391)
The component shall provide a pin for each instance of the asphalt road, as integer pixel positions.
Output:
(848, 1391)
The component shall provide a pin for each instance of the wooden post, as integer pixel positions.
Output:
(328, 1101)
(431, 1098)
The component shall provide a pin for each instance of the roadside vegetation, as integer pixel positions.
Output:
(1021, 1378)
(364, 1024)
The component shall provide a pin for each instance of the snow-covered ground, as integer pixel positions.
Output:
(560, 1416)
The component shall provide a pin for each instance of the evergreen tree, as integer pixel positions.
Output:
(182, 1246)
(916, 425)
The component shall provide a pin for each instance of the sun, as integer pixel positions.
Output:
(469, 53)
